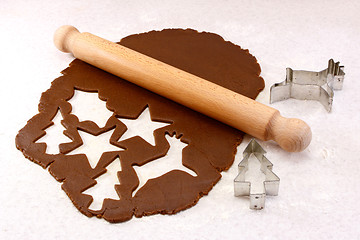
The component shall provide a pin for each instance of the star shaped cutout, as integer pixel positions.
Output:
(143, 127)
(94, 146)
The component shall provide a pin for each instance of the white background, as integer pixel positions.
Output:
(319, 188)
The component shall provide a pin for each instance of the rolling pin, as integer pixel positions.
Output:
(222, 104)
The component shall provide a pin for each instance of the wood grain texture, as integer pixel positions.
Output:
(238, 111)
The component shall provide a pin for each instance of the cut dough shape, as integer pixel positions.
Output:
(94, 146)
(54, 135)
(138, 127)
(105, 186)
(172, 161)
(95, 111)
(211, 144)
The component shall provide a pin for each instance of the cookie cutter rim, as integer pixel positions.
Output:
(308, 85)
(243, 187)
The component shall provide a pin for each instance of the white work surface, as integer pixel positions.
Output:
(320, 187)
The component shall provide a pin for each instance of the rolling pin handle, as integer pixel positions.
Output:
(292, 134)
(64, 36)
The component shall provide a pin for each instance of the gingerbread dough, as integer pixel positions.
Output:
(211, 144)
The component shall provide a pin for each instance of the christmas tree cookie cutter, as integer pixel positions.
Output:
(242, 187)
(307, 85)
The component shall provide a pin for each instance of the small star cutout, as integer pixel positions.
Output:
(143, 127)
(94, 146)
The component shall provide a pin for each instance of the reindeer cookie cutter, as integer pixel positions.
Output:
(270, 184)
(307, 85)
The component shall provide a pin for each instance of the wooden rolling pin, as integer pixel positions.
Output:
(238, 111)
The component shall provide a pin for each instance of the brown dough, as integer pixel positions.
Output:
(211, 144)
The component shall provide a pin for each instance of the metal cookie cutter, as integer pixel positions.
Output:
(270, 186)
(306, 85)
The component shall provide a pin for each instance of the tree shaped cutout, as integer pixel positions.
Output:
(54, 135)
(105, 186)
(87, 106)
(158, 167)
